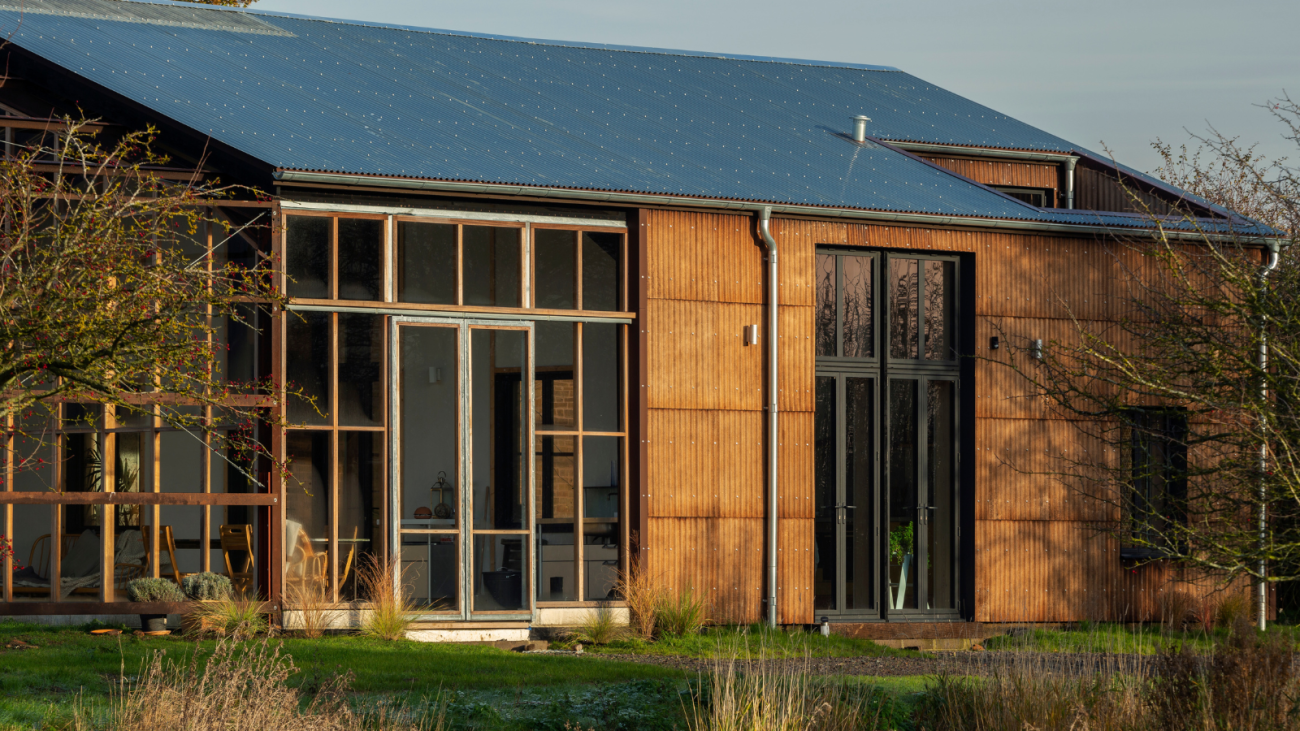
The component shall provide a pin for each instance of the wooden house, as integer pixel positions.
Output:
(566, 306)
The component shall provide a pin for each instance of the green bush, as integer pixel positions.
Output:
(207, 586)
(681, 614)
(154, 590)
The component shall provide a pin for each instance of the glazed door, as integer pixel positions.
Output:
(845, 499)
(461, 483)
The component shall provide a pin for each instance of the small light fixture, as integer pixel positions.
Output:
(1037, 352)
(435, 374)
(994, 343)
(751, 335)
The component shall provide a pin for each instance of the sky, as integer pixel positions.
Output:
(1102, 73)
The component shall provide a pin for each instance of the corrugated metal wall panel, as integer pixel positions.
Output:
(798, 359)
(742, 491)
(741, 366)
(988, 172)
(795, 571)
(683, 465)
(683, 354)
(795, 465)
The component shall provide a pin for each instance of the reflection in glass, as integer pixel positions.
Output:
(308, 370)
(600, 377)
(938, 309)
(361, 247)
(825, 577)
(556, 580)
(859, 324)
(307, 510)
(601, 273)
(940, 499)
(361, 353)
(500, 573)
(826, 306)
(557, 476)
(902, 494)
(496, 409)
(237, 361)
(426, 256)
(32, 546)
(491, 263)
(859, 411)
(82, 472)
(431, 571)
(180, 463)
(555, 400)
(556, 261)
(430, 414)
(307, 256)
(904, 283)
(360, 504)
(601, 467)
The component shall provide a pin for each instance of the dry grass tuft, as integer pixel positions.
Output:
(390, 611)
(241, 687)
(1232, 609)
(1177, 610)
(642, 593)
(761, 695)
(238, 616)
(599, 626)
(315, 611)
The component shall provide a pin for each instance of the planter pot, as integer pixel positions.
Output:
(153, 622)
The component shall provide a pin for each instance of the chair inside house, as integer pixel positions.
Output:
(306, 566)
(80, 565)
(167, 550)
(237, 550)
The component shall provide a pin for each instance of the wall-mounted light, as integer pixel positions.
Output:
(994, 343)
(1037, 351)
(751, 335)
(435, 374)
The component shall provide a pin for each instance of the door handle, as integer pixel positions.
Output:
(846, 507)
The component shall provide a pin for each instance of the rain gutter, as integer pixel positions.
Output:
(644, 199)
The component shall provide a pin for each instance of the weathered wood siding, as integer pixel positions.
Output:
(1038, 556)
(1001, 172)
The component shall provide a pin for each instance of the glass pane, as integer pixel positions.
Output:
(361, 502)
(180, 463)
(498, 472)
(32, 547)
(941, 495)
(556, 261)
(500, 573)
(431, 571)
(430, 413)
(307, 256)
(601, 467)
(361, 357)
(34, 458)
(130, 559)
(600, 391)
(361, 257)
(491, 261)
(82, 416)
(903, 302)
(601, 280)
(556, 581)
(859, 330)
(82, 461)
(902, 494)
(426, 263)
(237, 531)
(308, 370)
(554, 398)
(825, 304)
(557, 476)
(938, 310)
(307, 510)
(825, 577)
(859, 478)
(237, 361)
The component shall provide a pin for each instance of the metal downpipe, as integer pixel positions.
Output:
(765, 229)
(1261, 595)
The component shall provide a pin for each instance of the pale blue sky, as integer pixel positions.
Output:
(1118, 72)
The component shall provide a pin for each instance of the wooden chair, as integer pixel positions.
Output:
(238, 539)
(313, 567)
(167, 548)
(39, 559)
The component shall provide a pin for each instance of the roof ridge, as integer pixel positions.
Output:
(532, 41)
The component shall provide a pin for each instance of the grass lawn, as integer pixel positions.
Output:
(68, 664)
(752, 641)
(1115, 638)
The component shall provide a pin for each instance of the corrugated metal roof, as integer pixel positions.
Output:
(319, 95)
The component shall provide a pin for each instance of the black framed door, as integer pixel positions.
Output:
(887, 497)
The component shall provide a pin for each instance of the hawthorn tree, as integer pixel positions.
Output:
(1188, 403)
(109, 295)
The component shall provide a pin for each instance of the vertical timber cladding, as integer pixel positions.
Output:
(1002, 172)
(1037, 556)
